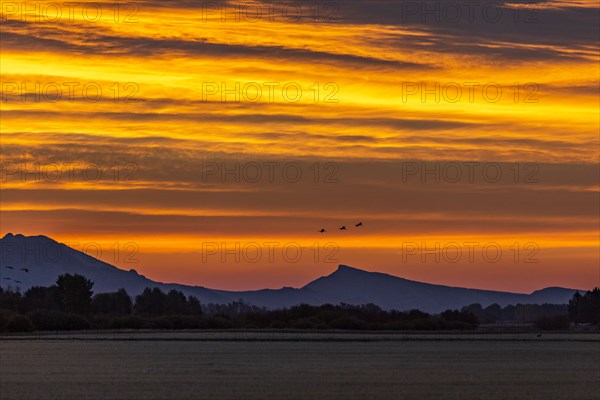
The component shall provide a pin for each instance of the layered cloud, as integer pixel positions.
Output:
(174, 123)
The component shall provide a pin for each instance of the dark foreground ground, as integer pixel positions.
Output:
(306, 366)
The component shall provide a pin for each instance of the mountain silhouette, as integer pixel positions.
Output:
(45, 259)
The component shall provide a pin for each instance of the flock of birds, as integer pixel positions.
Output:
(26, 270)
(343, 227)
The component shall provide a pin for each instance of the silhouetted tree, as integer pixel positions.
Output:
(575, 307)
(521, 313)
(491, 313)
(417, 314)
(19, 323)
(193, 306)
(151, 301)
(123, 302)
(74, 293)
(117, 303)
(175, 302)
(10, 300)
(557, 322)
(461, 316)
(508, 313)
(40, 298)
(586, 308)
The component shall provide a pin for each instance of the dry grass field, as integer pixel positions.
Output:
(168, 366)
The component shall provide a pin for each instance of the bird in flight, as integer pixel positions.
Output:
(8, 279)
(18, 281)
(322, 230)
(9, 267)
(24, 269)
(358, 225)
(343, 228)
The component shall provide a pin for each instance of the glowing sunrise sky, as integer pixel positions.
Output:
(378, 83)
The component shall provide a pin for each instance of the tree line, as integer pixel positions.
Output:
(581, 309)
(585, 308)
(70, 304)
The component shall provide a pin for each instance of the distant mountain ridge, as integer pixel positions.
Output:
(45, 259)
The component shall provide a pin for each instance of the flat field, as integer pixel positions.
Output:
(184, 366)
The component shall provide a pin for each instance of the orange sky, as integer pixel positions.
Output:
(174, 133)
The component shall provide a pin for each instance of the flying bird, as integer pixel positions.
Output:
(24, 269)
(8, 279)
(539, 335)
(18, 281)
(358, 225)
(9, 267)
(322, 230)
(343, 228)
